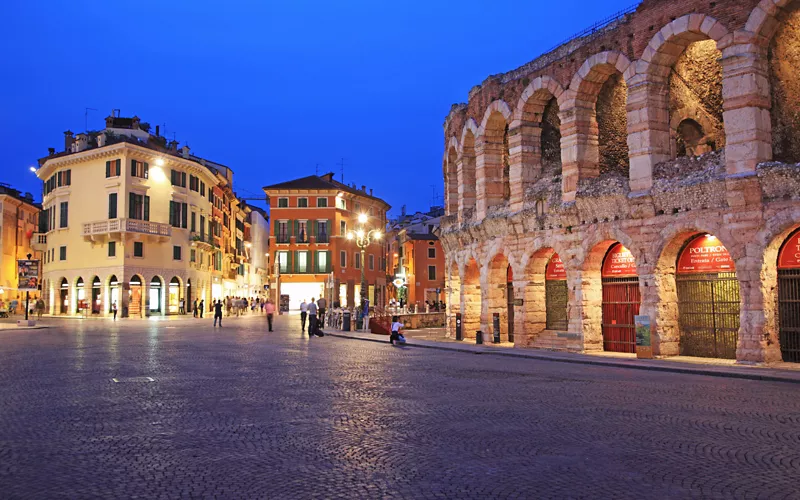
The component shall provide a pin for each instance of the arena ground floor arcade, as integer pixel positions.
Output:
(714, 283)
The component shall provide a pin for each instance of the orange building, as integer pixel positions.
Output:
(416, 259)
(309, 221)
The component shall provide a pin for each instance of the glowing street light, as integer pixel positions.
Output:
(363, 237)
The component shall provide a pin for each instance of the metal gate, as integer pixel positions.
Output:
(510, 309)
(708, 314)
(621, 300)
(789, 314)
(556, 298)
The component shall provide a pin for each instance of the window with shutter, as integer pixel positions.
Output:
(146, 208)
(112, 205)
(118, 169)
(108, 168)
(184, 215)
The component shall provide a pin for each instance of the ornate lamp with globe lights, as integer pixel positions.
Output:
(364, 237)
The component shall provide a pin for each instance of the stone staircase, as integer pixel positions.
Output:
(556, 341)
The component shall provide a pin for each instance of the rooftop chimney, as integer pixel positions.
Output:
(81, 143)
(69, 138)
(370, 191)
(364, 188)
(185, 151)
(135, 123)
(51, 151)
(158, 128)
(101, 140)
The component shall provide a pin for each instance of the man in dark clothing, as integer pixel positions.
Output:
(194, 308)
(322, 304)
(202, 307)
(217, 312)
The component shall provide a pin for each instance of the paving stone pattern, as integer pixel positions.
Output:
(240, 413)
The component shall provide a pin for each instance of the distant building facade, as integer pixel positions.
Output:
(416, 259)
(310, 218)
(19, 216)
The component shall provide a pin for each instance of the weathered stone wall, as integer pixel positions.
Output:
(612, 124)
(551, 140)
(784, 61)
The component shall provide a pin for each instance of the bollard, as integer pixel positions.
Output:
(479, 337)
(458, 327)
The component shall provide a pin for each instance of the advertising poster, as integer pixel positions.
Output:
(705, 254)
(644, 347)
(619, 263)
(28, 275)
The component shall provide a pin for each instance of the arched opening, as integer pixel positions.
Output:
(452, 181)
(454, 299)
(64, 296)
(789, 298)
(612, 125)
(97, 293)
(621, 299)
(80, 297)
(466, 178)
(174, 302)
(471, 291)
(556, 295)
(784, 63)
(534, 320)
(155, 293)
(551, 139)
(695, 90)
(708, 299)
(492, 178)
(189, 296)
(136, 292)
(497, 298)
(113, 292)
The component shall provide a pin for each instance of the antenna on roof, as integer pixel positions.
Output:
(341, 169)
(316, 169)
(86, 118)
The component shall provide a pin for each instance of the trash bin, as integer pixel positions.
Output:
(479, 337)
(346, 321)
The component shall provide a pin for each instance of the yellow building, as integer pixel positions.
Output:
(128, 220)
(18, 219)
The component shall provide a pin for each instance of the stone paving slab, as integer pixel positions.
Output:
(751, 372)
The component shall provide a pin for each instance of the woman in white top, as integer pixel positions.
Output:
(396, 327)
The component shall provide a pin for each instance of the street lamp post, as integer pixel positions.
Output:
(363, 238)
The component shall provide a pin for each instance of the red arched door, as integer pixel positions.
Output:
(708, 299)
(789, 298)
(621, 299)
(556, 295)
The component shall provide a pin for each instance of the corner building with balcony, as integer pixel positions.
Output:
(647, 166)
(128, 218)
(310, 218)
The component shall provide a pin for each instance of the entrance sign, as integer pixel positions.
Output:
(619, 262)
(705, 254)
(28, 275)
(789, 257)
(644, 348)
(555, 269)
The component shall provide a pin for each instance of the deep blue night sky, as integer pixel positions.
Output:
(269, 88)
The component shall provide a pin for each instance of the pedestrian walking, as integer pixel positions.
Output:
(114, 309)
(217, 312)
(322, 305)
(312, 318)
(12, 306)
(202, 306)
(303, 315)
(182, 307)
(194, 308)
(39, 307)
(270, 309)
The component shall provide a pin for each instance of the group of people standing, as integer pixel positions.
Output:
(12, 307)
(238, 307)
(315, 313)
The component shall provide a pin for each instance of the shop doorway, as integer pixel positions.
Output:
(174, 295)
(64, 296)
(135, 304)
(155, 293)
(789, 298)
(113, 286)
(80, 297)
(96, 294)
(708, 299)
(621, 300)
(556, 295)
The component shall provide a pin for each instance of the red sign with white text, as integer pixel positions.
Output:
(789, 258)
(705, 254)
(555, 269)
(619, 262)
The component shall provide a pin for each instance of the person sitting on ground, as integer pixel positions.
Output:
(396, 336)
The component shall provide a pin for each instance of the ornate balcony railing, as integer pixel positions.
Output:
(108, 226)
(39, 242)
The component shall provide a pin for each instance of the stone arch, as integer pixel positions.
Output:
(453, 295)
(451, 176)
(495, 296)
(660, 301)
(492, 166)
(764, 18)
(535, 136)
(161, 303)
(471, 297)
(466, 170)
(649, 81)
(591, 110)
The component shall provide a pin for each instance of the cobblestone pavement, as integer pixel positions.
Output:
(241, 413)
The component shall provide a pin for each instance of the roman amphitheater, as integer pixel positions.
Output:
(647, 166)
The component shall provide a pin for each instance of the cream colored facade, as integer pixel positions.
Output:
(175, 263)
